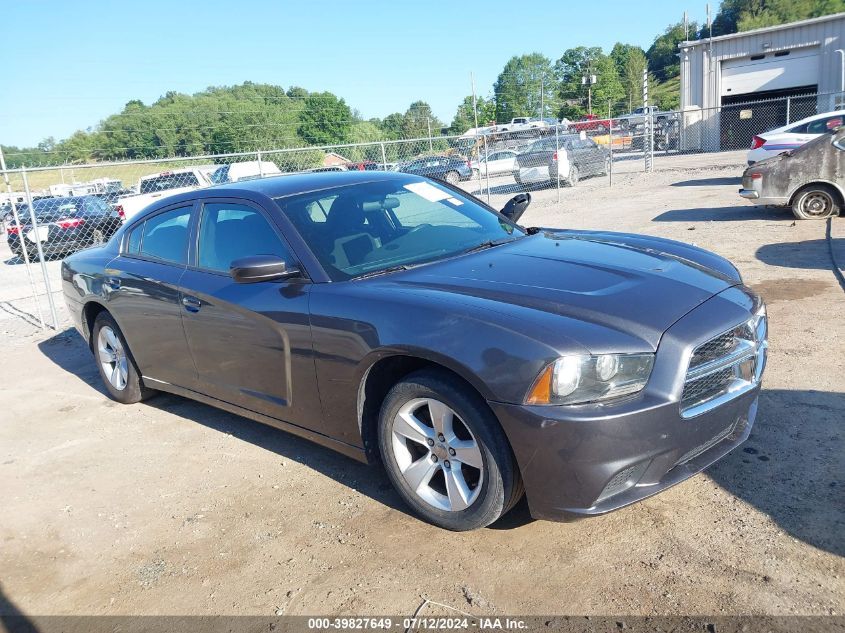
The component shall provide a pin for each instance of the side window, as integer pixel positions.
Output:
(166, 236)
(133, 244)
(232, 231)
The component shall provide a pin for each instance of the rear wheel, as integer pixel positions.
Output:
(115, 363)
(446, 454)
(573, 177)
(475, 174)
(816, 202)
(452, 177)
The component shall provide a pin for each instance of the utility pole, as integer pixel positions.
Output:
(430, 145)
(542, 108)
(588, 80)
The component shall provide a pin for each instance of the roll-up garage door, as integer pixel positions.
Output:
(770, 71)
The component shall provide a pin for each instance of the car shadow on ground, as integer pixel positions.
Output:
(513, 188)
(709, 182)
(12, 619)
(724, 214)
(68, 350)
(805, 255)
(792, 467)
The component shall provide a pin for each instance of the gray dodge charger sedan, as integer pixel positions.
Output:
(397, 319)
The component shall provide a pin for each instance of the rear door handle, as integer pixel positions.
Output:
(192, 304)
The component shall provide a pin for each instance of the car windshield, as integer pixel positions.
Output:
(370, 227)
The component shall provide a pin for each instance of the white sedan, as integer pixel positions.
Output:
(500, 162)
(793, 136)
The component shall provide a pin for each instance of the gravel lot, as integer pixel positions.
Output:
(172, 507)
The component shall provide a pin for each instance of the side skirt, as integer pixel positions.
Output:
(318, 438)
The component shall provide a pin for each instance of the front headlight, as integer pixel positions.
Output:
(580, 379)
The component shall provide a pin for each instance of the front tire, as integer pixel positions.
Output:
(816, 202)
(115, 362)
(452, 177)
(446, 454)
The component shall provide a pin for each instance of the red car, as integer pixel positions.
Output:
(591, 123)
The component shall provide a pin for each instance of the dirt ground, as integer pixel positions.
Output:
(172, 507)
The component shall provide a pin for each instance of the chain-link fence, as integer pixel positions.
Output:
(49, 212)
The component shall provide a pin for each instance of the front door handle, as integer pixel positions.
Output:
(192, 304)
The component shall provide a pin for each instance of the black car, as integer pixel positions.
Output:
(446, 168)
(400, 320)
(567, 157)
(64, 225)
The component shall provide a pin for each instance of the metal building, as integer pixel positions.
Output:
(766, 77)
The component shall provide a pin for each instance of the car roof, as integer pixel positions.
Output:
(285, 185)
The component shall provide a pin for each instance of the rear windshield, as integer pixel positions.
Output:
(169, 181)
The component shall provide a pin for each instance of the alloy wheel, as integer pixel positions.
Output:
(112, 358)
(438, 456)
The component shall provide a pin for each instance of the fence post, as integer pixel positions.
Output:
(787, 111)
(383, 157)
(260, 166)
(20, 237)
(487, 168)
(557, 158)
(610, 150)
(648, 141)
(40, 250)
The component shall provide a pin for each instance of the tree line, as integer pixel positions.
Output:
(251, 117)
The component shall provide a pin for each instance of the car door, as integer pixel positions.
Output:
(251, 343)
(142, 290)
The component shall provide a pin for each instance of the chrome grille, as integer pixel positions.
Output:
(725, 366)
(706, 387)
(714, 348)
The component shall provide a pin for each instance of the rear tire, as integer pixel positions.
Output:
(452, 177)
(816, 202)
(573, 177)
(115, 362)
(446, 454)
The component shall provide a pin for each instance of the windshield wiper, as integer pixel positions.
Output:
(383, 271)
(489, 244)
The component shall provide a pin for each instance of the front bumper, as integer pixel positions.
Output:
(576, 460)
(583, 460)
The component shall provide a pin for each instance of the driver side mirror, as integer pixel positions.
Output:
(249, 270)
(516, 206)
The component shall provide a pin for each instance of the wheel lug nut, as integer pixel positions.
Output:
(430, 442)
(452, 452)
(447, 464)
(434, 458)
(441, 437)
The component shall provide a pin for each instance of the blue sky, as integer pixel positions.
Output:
(72, 63)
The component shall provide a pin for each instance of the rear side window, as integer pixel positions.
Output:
(232, 231)
(133, 244)
(824, 125)
(166, 236)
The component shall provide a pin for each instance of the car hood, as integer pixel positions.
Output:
(633, 284)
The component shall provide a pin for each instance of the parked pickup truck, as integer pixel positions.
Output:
(639, 115)
(164, 184)
(523, 123)
(590, 123)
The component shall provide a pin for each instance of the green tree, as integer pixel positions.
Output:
(464, 118)
(525, 81)
(418, 120)
(577, 63)
(325, 119)
(662, 56)
(630, 63)
(744, 15)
